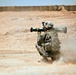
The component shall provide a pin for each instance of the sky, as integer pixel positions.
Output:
(35, 2)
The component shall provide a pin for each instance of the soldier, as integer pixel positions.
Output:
(48, 44)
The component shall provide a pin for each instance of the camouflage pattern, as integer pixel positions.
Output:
(48, 44)
(48, 41)
(48, 24)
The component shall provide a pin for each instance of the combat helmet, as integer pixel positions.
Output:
(48, 24)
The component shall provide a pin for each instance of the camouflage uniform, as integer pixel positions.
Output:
(48, 44)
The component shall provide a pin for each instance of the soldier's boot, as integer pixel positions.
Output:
(55, 58)
(45, 59)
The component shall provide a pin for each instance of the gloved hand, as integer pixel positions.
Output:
(39, 33)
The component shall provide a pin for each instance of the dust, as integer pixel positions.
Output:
(69, 50)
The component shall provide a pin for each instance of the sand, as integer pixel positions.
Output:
(18, 55)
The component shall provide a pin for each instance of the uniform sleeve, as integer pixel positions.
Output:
(40, 39)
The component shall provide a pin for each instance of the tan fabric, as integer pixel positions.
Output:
(49, 40)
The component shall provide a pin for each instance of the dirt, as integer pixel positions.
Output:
(18, 54)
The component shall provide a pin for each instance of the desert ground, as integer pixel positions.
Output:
(18, 55)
